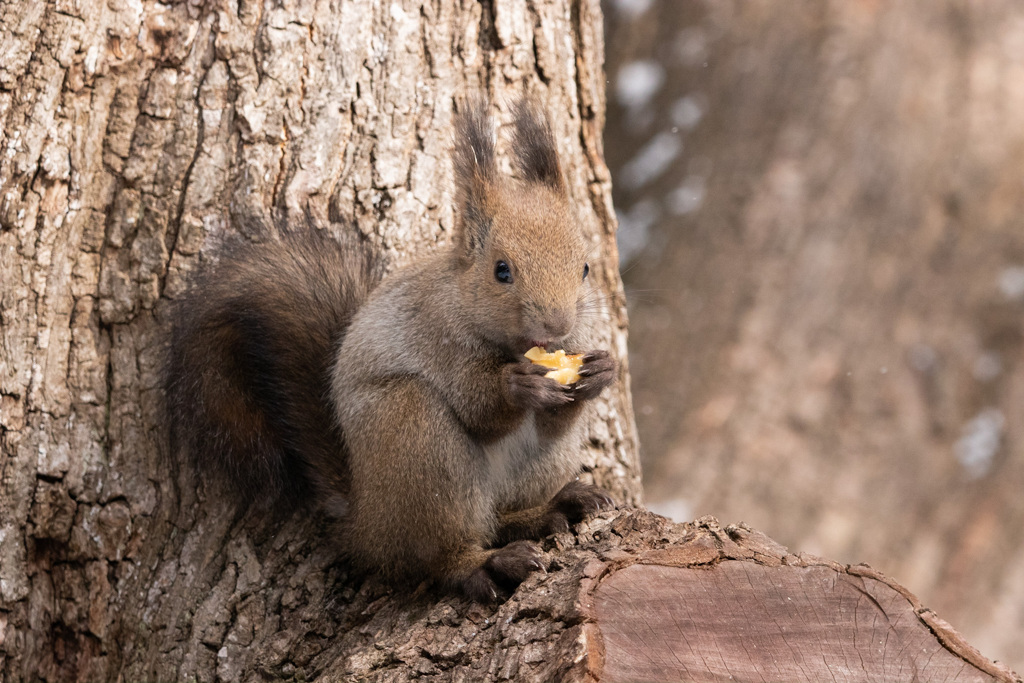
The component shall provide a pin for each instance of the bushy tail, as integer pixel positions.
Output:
(250, 355)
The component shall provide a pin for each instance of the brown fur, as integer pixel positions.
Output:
(445, 441)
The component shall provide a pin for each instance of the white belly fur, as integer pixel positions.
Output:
(524, 471)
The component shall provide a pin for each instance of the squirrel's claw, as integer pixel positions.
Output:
(575, 502)
(503, 571)
(530, 389)
(597, 372)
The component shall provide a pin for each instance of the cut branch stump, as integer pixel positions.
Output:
(635, 598)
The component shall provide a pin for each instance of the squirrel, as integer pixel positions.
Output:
(405, 403)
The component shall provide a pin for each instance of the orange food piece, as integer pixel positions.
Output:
(564, 367)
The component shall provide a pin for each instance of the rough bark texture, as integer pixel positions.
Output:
(827, 316)
(134, 135)
(633, 597)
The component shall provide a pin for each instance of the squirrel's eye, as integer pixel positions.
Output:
(502, 273)
(586, 270)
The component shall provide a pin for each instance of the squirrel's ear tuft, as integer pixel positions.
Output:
(533, 146)
(475, 173)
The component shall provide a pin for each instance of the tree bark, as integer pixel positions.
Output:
(633, 597)
(135, 135)
(827, 319)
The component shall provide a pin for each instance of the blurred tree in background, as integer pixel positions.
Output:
(822, 234)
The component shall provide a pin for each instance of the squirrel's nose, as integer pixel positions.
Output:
(557, 324)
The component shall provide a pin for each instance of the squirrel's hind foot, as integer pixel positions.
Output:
(573, 503)
(503, 571)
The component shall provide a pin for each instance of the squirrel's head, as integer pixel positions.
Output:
(519, 249)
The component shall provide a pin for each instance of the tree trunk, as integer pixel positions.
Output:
(828, 322)
(135, 135)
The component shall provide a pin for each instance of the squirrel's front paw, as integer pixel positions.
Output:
(531, 390)
(574, 502)
(505, 569)
(597, 372)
